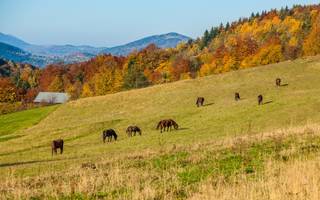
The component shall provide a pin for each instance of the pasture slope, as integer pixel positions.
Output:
(223, 150)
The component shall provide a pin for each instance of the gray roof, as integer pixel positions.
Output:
(51, 97)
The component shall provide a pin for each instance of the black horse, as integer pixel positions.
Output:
(278, 82)
(57, 144)
(236, 96)
(260, 99)
(200, 101)
(134, 130)
(109, 134)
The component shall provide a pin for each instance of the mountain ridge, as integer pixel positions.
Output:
(53, 53)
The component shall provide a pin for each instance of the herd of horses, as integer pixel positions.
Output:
(163, 125)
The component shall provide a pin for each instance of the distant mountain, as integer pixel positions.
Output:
(163, 41)
(49, 50)
(14, 41)
(16, 54)
(45, 54)
(62, 50)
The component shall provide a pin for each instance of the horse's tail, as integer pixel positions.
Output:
(104, 136)
(159, 124)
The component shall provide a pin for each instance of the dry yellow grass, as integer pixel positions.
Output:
(296, 179)
(299, 179)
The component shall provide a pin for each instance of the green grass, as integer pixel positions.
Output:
(13, 122)
(81, 122)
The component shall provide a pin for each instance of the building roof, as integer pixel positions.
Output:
(51, 97)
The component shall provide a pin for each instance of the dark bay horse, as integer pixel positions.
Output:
(57, 144)
(278, 82)
(167, 124)
(260, 99)
(236, 96)
(134, 130)
(109, 134)
(200, 101)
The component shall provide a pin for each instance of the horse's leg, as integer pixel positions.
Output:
(61, 150)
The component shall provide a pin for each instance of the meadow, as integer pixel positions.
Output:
(223, 150)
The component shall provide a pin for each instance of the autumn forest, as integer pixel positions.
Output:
(261, 39)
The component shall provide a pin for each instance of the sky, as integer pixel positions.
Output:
(114, 22)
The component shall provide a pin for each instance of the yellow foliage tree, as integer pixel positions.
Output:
(87, 90)
(56, 85)
(268, 55)
(311, 45)
(207, 69)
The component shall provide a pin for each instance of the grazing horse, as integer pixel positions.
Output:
(57, 144)
(200, 101)
(134, 130)
(109, 134)
(167, 124)
(236, 96)
(278, 82)
(260, 99)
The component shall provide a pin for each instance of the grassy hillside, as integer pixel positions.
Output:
(218, 146)
(11, 123)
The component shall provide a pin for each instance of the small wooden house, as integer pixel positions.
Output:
(51, 97)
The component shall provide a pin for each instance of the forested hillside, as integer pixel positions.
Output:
(261, 39)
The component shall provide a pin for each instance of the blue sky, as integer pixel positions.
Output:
(115, 22)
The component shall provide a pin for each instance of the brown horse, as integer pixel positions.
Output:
(109, 134)
(278, 82)
(134, 130)
(200, 101)
(260, 99)
(167, 124)
(236, 96)
(57, 144)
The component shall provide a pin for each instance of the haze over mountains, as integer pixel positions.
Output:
(15, 49)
